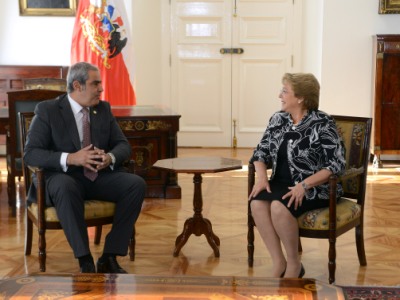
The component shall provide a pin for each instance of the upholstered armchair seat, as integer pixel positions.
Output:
(318, 219)
(93, 209)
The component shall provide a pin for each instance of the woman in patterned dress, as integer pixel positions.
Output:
(302, 146)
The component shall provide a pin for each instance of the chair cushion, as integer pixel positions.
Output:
(318, 219)
(93, 209)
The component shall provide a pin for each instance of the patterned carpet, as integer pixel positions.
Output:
(371, 293)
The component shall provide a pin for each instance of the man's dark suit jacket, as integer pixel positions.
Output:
(53, 130)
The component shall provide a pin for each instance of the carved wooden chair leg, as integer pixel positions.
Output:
(97, 234)
(360, 245)
(332, 260)
(250, 239)
(28, 235)
(11, 190)
(42, 250)
(132, 245)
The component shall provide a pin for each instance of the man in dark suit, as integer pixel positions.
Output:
(56, 141)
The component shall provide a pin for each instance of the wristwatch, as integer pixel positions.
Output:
(304, 185)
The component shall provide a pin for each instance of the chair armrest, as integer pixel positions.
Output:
(34, 169)
(129, 165)
(333, 180)
(250, 178)
(40, 193)
(352, 172)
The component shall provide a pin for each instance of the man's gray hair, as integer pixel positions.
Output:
(79, 72)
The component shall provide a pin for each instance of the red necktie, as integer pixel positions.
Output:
(87, 141)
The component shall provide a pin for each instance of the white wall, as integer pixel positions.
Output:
(347, 54)
(312, 37)
(29, 40)
(337, 47)
(147, 32)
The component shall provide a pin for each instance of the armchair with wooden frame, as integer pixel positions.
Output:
(333, 221)
(97, 213)
(20, 101)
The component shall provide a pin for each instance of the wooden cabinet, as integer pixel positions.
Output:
(387, 97)
(152, 133)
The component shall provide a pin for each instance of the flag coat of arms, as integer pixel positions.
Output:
(101, 37)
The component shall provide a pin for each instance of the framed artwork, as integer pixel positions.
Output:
(47, 7)
(389, 6)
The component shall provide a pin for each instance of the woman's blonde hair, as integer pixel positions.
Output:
(306, 86)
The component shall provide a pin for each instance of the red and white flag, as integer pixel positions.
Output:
(101, 37)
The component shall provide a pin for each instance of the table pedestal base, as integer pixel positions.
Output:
(197, 225)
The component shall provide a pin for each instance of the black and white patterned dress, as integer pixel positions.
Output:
(296, 152)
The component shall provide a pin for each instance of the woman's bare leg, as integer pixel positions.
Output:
(261, 212)
(287, 229)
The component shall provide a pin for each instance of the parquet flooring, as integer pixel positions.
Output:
(225, 205)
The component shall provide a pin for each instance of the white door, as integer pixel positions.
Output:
(214, 91)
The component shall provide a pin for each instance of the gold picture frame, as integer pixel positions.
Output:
(389, 6)
(47, 8)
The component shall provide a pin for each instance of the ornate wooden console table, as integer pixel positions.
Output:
(152, 133)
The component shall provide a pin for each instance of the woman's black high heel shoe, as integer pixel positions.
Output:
(283, 273)
(302, 271)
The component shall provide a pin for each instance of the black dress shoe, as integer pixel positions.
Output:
(88, 267)
(109, 265)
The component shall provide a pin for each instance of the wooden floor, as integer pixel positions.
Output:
(225, 205)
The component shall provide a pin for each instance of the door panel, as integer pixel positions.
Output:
(200, 74)
(257, 91)
(264, 30)
(200, 80)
